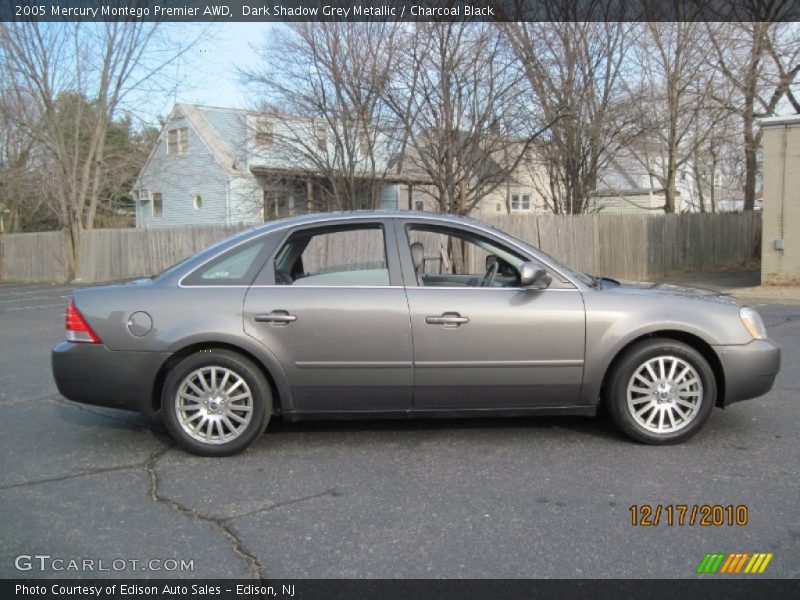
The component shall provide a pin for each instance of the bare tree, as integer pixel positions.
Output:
(21, 166)
(56, 66)
(675, 83)
(467, 122)
(330, 125)
(761, 61)
(574, 71)
(716, 161)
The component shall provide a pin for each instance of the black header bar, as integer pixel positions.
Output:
(398, 10)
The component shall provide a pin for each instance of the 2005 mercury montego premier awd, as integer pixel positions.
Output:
(402, 314)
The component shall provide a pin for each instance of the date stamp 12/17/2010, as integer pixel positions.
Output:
(680, 515)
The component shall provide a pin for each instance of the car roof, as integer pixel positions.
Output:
(355, 215)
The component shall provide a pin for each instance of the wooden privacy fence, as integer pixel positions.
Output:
(109, 254)
(623, 246)
(641, 246)
(33, 256)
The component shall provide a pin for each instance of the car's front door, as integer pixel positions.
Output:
(332, 308)
(495, 346)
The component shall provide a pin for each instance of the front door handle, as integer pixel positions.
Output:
(448, 319)
(277, 317)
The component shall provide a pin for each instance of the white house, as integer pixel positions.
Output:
(221, 165)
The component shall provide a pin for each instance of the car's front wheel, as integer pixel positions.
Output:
(661, 391)
(216, 402)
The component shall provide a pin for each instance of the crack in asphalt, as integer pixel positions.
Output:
(332, 492)
(222, 525)
(56, 399)
(82, 473)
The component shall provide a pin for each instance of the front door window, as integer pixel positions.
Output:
(454, 258)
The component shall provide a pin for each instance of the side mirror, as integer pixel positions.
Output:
(534, 276)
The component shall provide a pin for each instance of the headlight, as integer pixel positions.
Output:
(752, 321)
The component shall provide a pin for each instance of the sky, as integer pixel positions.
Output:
(208, 73)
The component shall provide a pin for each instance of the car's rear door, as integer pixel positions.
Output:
(331, 306)
(502, 347)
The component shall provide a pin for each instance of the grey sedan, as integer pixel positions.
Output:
(402, 314)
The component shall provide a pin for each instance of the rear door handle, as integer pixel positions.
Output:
(448, 319)
(277, 317)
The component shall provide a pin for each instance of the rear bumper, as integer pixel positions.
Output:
(93, 374)
(750, 369)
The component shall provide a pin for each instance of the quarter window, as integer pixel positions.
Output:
(236, 267)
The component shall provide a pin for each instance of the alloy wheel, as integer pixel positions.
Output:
(214, 405)
(664, 394)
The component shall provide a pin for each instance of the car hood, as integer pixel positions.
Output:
(645, 288)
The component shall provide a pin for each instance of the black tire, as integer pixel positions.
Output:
(261, 402)
(616, 396)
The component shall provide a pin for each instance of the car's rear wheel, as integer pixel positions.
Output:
(661, 391)
(216, 402)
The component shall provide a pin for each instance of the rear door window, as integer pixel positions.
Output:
(334, 257)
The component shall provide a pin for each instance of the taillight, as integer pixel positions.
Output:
(78, 329)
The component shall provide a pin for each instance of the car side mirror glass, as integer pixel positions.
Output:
(533, 276)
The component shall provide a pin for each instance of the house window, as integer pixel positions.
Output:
(265, 132)
(178, 140)
(197, 201)
(322, 139)
(277, 203)
(158, 204)
(419, 205)
(499, 207)
(363, 146)
(520, 202)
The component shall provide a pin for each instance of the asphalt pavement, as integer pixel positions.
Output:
(513, 498)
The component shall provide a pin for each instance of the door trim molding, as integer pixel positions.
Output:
(426, 364)
(340, 364)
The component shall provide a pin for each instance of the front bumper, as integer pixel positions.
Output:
(93, 374)
(750, 369)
